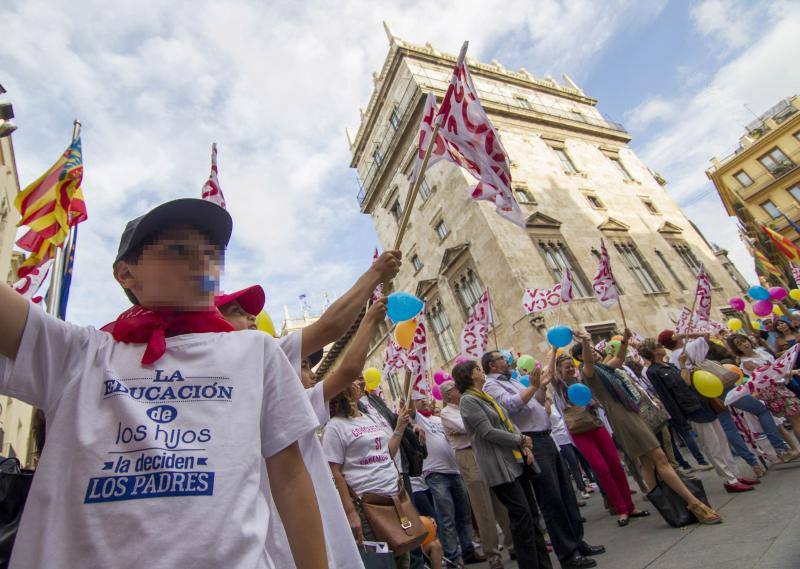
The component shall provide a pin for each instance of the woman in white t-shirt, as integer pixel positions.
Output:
(360, 453)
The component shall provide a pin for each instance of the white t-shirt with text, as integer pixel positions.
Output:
(441, 456)
(361, 446)
(341, 546)
(157, 466)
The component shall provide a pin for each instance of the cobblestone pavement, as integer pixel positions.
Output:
(761, 530)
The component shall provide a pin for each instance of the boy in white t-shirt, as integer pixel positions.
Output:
(239, 309)
(156, 454)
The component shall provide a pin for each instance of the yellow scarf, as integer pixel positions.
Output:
(499, 410)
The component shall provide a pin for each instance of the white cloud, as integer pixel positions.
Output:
(710, 122)
(274, 84)
(650, 111)
(732, 24)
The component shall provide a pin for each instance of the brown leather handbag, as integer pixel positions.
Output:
(394, 519)
(580, 420)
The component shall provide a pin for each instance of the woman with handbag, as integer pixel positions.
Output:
(500, 450)
(361, 455)
(593, 441)
(637, 439)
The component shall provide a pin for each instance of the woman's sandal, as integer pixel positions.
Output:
(622, 522)
(639, 514)
(704, 514)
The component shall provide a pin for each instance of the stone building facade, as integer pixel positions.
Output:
(577, 181)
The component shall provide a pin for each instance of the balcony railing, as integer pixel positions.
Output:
(766, 179)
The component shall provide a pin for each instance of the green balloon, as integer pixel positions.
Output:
(526, 363)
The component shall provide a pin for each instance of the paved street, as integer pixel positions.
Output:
(761, 530)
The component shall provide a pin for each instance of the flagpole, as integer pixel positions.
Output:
(412, 194)
(57, 269)
(491, 314)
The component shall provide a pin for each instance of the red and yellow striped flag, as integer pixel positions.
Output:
(50, 206)
(784, 245)
(763, 266)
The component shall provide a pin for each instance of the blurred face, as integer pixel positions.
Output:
(742, 344)
(307, 376)
(659, 352)
(782, 327)
(180, 270)
(359, 386)
(478, 378)
(498, 364)
(238, 317)
(567, 369)
(452, 397)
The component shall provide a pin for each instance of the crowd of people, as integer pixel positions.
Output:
(269, 467)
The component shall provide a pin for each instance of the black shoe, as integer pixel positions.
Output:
(472, 558)
(578, 561)
(585, 549)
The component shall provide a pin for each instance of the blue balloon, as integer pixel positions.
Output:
(525, 380)
(402, 306)
(579, 394)
(514, 374)
(508, 356)
(560, 336)
(757, 292)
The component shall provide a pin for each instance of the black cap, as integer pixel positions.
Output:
(206, 216)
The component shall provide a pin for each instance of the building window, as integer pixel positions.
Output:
(771, 209)
(424, 190)
(795, 192)
(468, 289)
(650, 206)
(396, 210)
(688, 257)
(377, 155)
(416, 262)
(671, 271)
(522, 194)
(775, 161)
(600, 332)
(743, 178)
(441, 229)
(523, 102)
(442, 330)
(566, 161)
(621, 169)
(595, 202)
(644, 275)
(394, 118)
(558, 257)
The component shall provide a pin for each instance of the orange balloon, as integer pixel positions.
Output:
(735, 369)
(430, 525)
(404, 333)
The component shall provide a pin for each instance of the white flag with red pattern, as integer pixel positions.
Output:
(684, 320)
(795, 274)
(473, 143)
(475, 335)
(766, 375)
(702, 296)
(395, 358)
(541, 299)
(603, 284)
(30, 284)
(211, 190)
(418, 361)
(567, 290)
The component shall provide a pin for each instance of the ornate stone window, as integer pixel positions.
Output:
(566, 161)
(620, 167)
(468, 289)
(442, 331)
(558, 257)
(688, 257)
(671, 271)
(638, 266)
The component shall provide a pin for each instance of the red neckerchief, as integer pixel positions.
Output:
(425, 413)
(139, 325)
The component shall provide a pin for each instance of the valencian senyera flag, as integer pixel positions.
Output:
(211, 190)
(50, 206)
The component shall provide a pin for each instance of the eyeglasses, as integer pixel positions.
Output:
(179, 251)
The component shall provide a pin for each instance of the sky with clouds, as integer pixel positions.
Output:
(276, 84)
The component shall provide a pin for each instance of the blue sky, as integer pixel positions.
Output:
(275, 85)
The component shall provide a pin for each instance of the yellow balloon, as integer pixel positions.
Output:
(404, 333)
(777, 310)
(735, 324)
(617, 338)
(707, 384)
(795, 293)
(756, 324)
(372, 378)
(264, 323)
